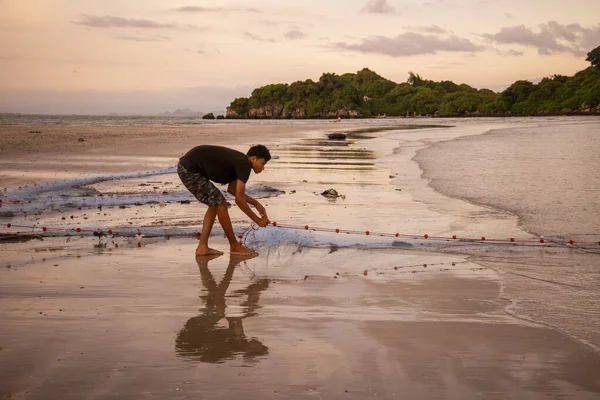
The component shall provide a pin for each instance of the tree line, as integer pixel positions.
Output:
(366, 94)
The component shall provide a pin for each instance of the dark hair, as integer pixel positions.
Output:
(259, 151)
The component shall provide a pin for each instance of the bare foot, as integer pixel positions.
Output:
(207, 251)
(239, 250)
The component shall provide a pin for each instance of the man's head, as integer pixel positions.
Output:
(258, 156)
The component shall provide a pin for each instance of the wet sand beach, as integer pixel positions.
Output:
(152, 322)
(315, 315)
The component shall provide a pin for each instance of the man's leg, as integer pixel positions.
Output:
(207, 224)
(235, 247)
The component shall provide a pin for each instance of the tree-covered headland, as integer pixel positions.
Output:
(366, 94)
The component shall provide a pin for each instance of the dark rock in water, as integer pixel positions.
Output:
(330, 193)
(397, 243)
(185, 202)
(220, 117)
(81, 139)
(337, 136)
(209, 116)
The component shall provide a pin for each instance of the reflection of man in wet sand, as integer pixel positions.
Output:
(202, 338)
(203, 164)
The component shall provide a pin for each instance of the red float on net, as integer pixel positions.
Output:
(306, 227)
(78, 229)
(44, 229)
(8, 225)
(453, 236)
(571, 241)
(367, 233)
(512, 239)
(337, 230)
(397, 234)
(483, 238)
(541, 240)
(426, 236)
(274, 223)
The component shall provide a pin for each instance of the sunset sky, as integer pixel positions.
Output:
(149, 56)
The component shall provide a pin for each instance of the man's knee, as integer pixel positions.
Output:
(222, 205)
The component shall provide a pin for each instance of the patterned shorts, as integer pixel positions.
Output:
(200, 187)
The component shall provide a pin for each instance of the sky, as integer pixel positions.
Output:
(151, 56)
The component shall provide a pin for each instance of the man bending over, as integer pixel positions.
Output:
(203, 164)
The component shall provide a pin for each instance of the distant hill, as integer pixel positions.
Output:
(186, 112)
(366, 94)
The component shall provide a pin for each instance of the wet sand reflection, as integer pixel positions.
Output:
(206, 338)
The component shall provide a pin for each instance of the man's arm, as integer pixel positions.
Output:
(238, 189)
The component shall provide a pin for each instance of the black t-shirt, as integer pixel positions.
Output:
(217, 163)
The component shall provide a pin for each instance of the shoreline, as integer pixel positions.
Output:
(521, 305)
(220, 120)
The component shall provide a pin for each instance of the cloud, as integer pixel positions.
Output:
(153, 38)
(257, 38)
(410, 44)
(378, 7)
(551, 38)
(295, 34)
(200, 9)
(109, 21)
(434, 29)
(513, 53)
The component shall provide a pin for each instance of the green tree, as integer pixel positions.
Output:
(414, 79)
(594, 57)
(240, 105)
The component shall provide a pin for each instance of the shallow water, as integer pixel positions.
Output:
(548, 176)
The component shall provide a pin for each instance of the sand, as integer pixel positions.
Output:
(143, 318)
(33, 153)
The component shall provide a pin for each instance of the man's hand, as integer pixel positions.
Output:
(264, 221)
(261, 210)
